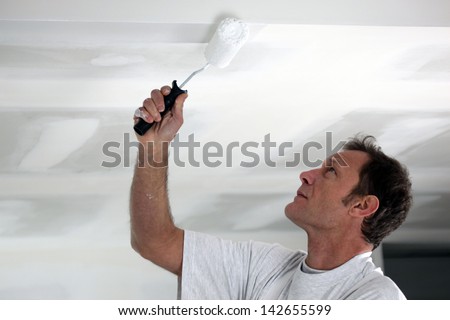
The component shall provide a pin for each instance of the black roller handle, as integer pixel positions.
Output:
(142, 126)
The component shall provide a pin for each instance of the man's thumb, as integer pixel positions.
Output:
(178, 106)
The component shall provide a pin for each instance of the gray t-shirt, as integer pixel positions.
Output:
(217, 269)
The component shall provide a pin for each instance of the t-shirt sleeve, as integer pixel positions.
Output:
(215, 268)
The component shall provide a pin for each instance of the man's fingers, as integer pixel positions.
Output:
(165, 90)
(158, 99)
(142, 113)
(151, 109)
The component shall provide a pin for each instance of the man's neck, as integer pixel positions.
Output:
(326, 254)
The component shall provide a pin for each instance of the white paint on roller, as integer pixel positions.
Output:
(230, 36)
(57, 141)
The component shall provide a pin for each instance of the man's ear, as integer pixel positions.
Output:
(364, 206)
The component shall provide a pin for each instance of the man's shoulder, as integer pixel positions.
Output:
(276, 248)
(256, 251)
(376, 286)
(208, 239)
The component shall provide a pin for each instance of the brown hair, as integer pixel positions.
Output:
(388, 180)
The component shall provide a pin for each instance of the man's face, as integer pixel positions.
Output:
(318, 202)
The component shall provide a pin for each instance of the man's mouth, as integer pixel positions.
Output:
(301, 194)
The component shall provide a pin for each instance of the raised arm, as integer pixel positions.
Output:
(153, 233)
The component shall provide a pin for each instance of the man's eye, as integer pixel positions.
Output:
(331, 169)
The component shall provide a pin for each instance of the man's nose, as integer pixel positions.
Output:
(308, 177)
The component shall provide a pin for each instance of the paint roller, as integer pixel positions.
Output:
(230, 36)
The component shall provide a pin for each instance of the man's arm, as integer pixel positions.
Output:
(153, 232)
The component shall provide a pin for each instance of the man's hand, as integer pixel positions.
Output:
(165, 129)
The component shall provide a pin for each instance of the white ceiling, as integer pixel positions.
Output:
(71, 75)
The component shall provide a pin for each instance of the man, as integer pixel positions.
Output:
(346, 207)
